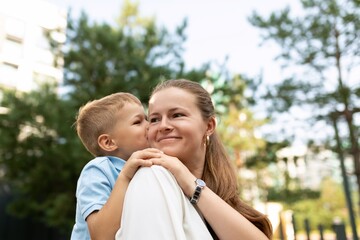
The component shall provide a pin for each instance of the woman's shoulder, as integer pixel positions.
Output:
(153, 171)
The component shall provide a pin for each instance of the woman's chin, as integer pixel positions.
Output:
(170, 151)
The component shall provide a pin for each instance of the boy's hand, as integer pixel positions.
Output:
(141, 158)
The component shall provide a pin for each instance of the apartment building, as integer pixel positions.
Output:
(310, 167)
(25, 53)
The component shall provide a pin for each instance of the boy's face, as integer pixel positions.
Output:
(129, 132)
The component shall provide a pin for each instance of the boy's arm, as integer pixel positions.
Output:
(104, 223)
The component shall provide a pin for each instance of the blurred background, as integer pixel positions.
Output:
(284, 76)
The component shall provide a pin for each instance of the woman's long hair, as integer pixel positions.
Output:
(219, 173)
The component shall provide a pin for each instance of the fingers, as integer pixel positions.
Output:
(142, 158)
(166, 161)
(145, 163)
(146, 153)
(158, 161)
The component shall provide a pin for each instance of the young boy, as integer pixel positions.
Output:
(113, 129)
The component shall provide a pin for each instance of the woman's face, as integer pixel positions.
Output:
(176, 126)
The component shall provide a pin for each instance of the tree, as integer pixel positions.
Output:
(323, 209)
(238, 127)
(324, 43)
(40, 153)
(132, 57)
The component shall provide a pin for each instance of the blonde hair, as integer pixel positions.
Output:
(98, 117)
(219, 173)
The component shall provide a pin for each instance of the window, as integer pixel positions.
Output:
(15, 29)
(8, 74)
(12, 48)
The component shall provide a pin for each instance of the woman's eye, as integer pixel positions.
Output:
(178, 115)
(152, 120)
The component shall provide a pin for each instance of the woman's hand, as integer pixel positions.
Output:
(141, 158)
(182, 174)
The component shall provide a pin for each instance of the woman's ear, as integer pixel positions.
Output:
(106, 143)
(211, 125)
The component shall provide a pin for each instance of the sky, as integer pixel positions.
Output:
(216, 29)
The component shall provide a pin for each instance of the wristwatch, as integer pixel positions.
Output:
(200, 184)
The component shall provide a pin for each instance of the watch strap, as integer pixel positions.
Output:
(195, 197)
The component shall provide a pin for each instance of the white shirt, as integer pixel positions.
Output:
(155, 207)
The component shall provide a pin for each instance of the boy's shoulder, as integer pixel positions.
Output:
(105, 162)
(98, 160)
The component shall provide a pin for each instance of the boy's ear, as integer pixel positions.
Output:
(211, 125)
(106, 143)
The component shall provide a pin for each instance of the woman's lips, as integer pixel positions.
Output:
(167, 138)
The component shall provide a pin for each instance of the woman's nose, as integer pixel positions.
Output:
(165, 124)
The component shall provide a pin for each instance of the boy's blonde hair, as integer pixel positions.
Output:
(98, 117)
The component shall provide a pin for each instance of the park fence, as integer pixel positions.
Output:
(289, 231)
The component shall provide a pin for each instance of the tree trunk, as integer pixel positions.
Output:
(354, 148)
(348, 113)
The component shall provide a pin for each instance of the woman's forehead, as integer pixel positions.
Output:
(171, 93)
(171, 98)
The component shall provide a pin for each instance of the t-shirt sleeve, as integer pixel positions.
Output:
(93, 189)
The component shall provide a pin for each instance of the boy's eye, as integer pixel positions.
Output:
(139, 120)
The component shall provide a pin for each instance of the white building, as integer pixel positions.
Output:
(311, 167)
(25, 54)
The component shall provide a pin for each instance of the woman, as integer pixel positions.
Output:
(182, 125)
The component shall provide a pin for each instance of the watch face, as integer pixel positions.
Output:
(200, 182)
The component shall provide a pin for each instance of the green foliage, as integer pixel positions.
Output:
(321, 210)
(231, 105)
(39, 149)
(41, 155)
(322, 46)
(263, 157)
(322, 41)
(311, 39)
(290, 196)
(238, 128)
(101, 59)
(226, 91)
(40, 152)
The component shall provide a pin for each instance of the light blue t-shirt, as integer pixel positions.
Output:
(96, 181)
